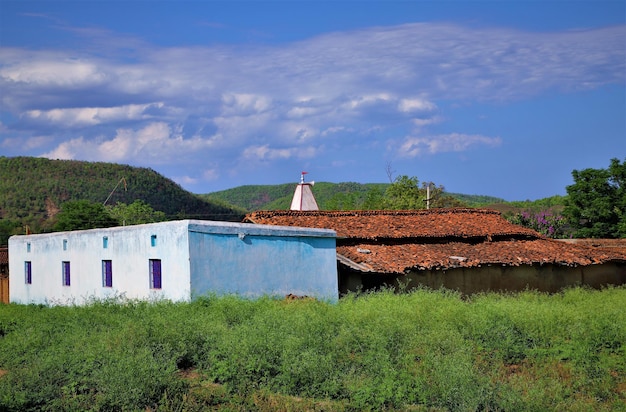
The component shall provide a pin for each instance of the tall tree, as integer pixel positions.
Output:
(83, 214)
(596, 203)
(404, 193)
(136, 213)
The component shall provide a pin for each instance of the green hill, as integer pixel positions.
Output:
(33, 189)
(329, 196)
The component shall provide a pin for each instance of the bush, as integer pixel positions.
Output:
(422, 350)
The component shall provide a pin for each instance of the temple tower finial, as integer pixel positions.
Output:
(303, 198)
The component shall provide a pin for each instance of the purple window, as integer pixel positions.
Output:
(28, 273)
(155, 273)
(107, 273)
(66, 273)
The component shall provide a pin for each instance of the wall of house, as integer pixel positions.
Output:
(545, 278)
(129, 248)
(197, 258)
(256, 260)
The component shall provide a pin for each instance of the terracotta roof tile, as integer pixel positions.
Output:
(399, 241)
(606, 245)
(400, 258)
(399, 224)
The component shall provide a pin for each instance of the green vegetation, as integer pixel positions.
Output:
(82, 214)
(424, 350)
(136, 213)
(33, 190)
(596, 205)
(334, 196)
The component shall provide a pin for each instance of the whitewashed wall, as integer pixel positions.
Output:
(129, 248)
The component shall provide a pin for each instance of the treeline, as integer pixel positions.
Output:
(595, 205)
(33, 190)
(329, 196)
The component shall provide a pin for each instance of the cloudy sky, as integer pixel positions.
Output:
(502, 98)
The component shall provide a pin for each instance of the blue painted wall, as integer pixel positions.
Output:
(255, 260)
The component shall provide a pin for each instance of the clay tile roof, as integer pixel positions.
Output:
(399, 224)
(399, 241)
(400, 258)
(606, 245)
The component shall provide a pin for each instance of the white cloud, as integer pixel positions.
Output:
(299, 112)
(454, 142)
(242, 103)
(416, 105)
(210, 174)
(91, 116)
(183, 105)
(265, 152)
(368, 100)
(186, 180)
(426, 122)
(64, 72)
(154, 143)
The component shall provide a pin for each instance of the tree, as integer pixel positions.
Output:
(404, 193)
(83, 214)
(374, 199)
(136, 213)
(596, 203)
(8, 227)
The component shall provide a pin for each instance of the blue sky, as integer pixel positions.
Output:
(501, 98)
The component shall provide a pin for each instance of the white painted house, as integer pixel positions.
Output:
(176, 260)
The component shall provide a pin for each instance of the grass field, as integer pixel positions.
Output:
(420, 351)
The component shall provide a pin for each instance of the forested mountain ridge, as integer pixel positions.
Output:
(32, 190)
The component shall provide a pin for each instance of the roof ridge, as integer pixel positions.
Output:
(375, 212)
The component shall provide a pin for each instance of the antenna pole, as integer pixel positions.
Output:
(114, 189)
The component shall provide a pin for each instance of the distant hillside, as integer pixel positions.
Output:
(329, 196)
(33, 189)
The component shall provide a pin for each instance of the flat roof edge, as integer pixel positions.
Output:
(252, 229)
(201, 226)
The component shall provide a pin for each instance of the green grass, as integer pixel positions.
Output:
(420, 351)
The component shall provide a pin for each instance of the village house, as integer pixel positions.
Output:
(178, 261)
(469, 250)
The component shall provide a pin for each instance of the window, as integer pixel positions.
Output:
(105, 242)
(28, 273)
(155, 273)
(107, 273)
(153, 240)
(64, 244)
(28, 247)
(66, 273)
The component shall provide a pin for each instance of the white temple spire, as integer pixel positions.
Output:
(303, 198)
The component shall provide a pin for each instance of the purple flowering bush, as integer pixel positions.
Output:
(547, 223)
